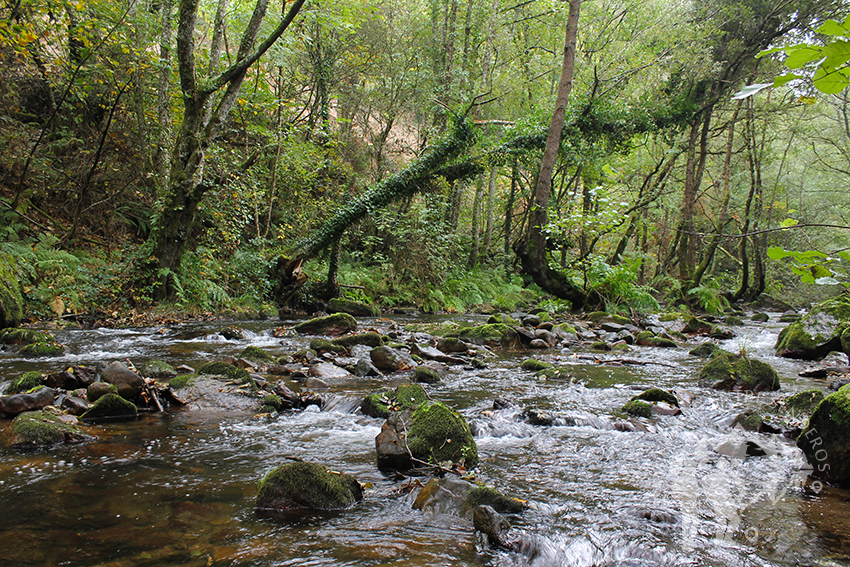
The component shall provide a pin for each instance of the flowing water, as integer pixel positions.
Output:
(178, 489)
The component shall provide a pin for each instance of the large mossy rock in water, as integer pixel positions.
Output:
(11, 298)
(111, 407)
(40, 429)
(824, 329)
(433, 433)
(331, 325)
(826, 439)
(493, 334)
(356, 308)
(736, 372)
(310, 486)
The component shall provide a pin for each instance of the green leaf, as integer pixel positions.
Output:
(832, 27)
(778, 253)
(788, 223)
(802, 56)
(785, 79)
(830, 82)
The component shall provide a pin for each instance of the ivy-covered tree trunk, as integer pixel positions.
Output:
(531, 249)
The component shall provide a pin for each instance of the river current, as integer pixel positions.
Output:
(178, 488)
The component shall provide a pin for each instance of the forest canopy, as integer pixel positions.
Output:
(213, 154)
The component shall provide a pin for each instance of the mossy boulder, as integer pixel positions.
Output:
(310, 486)
(42, 349)
(534, 365)
(97, 390)
(695, 325)
(405, 396)
(596, 316)
(356, 308)
(824, 329)
(736, 372)
(331, 325)
(439, 434)
(802, 403)
(25, 382)
(669, 316)
(111, 407)
(648, 338)
(734, 321)
(41, 429)
(748, 421)
(657, 395)
(760, 317)
(11, 297)
(258, 355)
(425, 375)
(25, 336)
(32, 400)
(371, 339)
(487, 496)
(324, 345)
(158, 370)
(490, 334)
(826, 439)
(638, 408)
(227, 371)
(705, 350)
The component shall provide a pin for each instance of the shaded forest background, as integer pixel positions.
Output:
(180, 152)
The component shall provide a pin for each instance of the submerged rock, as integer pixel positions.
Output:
(332, 325)
(425, 375)
(41, 429)
(159, 370)
(342, 305)
(311, 486)
(388, 359)
(736, 372)
(826, 439)
(824, 329)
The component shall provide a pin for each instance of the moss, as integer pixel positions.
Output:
(376, 405)
(227, 370)
(409, 396)
(556, 373)
(620, 320)
(705, 350)
(42, 349)
(159, 369)
(648, 338)
(760, 317)
(730, 371)
(439, 434)
(490, 333)
(818, 332)
(307, 485)
(336, 324)
(25, 336)
(324, 345)
(748, 421)
(439, 329)
(534, 365)
(111, 406)
(734, 321)
(256, 354)
(696, 325)
(266, 409)
(425, 375)
(638, 408)
(342, 305)
(11, 298)
(40, 429)
(596, 316)
(304, 355)
(566, 328)
(272, 400)
(826, 438)
(371, 339)
(182, 381)
(600, 345)
(670, 316)
(545, 316)
(27, 381)
(803, 402)
(486, 496)
(657, 395)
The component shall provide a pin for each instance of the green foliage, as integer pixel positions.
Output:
(814, 267)
(709, 299)
(616, 285)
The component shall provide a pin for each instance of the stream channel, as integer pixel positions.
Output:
(179, 488)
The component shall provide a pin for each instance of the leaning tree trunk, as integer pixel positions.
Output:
(531, 249)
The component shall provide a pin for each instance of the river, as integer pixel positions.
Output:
(178, 489)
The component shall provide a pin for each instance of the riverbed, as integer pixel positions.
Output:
(178, 488)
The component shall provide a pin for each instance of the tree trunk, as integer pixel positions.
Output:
(532, 248)
(476, 223)
(491, 204)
